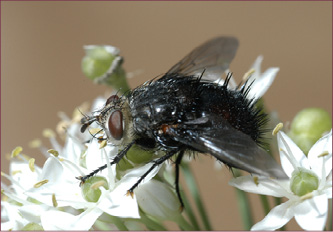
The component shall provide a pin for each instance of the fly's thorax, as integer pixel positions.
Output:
(151, 106)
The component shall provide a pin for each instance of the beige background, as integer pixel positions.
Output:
(41, 51)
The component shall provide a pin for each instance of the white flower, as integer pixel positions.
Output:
(51, 197)
(307, 190)
(260, 82)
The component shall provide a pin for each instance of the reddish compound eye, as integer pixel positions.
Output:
(116, 124)
(111, 99)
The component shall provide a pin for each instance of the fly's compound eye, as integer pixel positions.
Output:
(112, 98)
(115, 124)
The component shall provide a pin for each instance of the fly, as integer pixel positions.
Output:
(185, 110)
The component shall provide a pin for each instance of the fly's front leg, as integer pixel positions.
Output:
(116, 160)
(155, 164)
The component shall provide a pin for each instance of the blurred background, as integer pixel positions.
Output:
(41, 52)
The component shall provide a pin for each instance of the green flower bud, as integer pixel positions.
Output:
(134, 156)
(90, 189)
(303, 181)
(102, 64)
(138, 156)
(32, 226)
(97, 61)
(308, 126)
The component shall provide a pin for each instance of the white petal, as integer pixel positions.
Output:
(95, 156)
(257, 66)
(291, 155)
(32, 212)
(117, 203)
(23, 175)
(261, 85)
(276, 218)
(52, 171)
(312, 214)
(71, 150)
(265, 186)
(323, 145)
(15, 220)
(57, 220)
(138, 172)
(157, 199)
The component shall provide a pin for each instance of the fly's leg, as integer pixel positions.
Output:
(178, 161)
(155, 164)
(116, 159)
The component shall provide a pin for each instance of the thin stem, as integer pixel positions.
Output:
(190, 180)
(101, 225)
(151, 224)
(265, 203)
(118, 223)
(184, 225)
(189, 212)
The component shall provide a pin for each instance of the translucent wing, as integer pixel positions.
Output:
(228, 145)
(214, 57)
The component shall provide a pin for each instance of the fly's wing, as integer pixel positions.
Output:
(211, 58)
(228, 145)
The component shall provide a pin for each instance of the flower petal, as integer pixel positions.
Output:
(316, 159)
(157, 199)
(312, 214)
(291, 155)
(264, 187)
(57, 220)
(276, 218)
(117, 203)
(262, 84)
(32, 212)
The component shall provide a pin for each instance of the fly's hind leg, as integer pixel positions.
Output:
(178, 161)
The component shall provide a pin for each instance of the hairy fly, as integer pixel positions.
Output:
(185, 110)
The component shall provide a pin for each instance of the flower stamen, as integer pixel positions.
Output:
(306, 196)
(256, 180)
(17, 150)
(53, 152)
(40, 183)
(248, 74)
(97, 184)
(325, 153)
(32, 164)
(54, 200)
(277, 128)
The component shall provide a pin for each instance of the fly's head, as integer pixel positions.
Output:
(110, 118)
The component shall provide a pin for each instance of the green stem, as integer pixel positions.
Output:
(118, 223)
(184, 225)
(244, 205)
(195, 193)
(151, 224)
(101, 225)
(189, 212)
(265, 203)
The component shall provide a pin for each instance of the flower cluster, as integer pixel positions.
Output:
(52, 198)
(308, 188)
